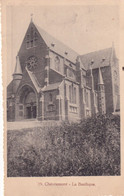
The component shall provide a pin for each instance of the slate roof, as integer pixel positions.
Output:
(51, 87)
(99, 58)
(58, 47)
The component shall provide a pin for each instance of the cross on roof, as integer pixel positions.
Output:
(31, 17)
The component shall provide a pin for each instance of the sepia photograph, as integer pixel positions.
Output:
(63, 91)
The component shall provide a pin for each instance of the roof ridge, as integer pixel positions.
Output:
(96, 51)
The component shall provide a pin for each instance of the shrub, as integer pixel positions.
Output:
(88, 148)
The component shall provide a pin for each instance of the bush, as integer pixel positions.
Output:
(88, 148)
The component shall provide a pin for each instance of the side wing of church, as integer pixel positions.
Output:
(53, 82)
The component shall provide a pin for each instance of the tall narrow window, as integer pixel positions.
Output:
(31, 43)
(74, 95)
(70, 73)
(87, 99)
(28, 41)
(31, 39)
(65, 90)
(70, 94)
(51, 97)
(32, 32)
(96, 100)
(57, 63)
(35, 39)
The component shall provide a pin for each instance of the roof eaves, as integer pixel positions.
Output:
(33, 79)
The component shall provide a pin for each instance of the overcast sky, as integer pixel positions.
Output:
(82, 28)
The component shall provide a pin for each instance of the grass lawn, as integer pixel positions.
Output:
(88, 148)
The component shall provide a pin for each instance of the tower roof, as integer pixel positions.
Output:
(100, 78)
(18, 69)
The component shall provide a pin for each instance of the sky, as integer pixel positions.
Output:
(82, 28)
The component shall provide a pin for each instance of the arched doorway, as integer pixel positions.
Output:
(30, 105)
(27, 103)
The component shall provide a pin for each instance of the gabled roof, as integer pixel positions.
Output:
(51, 87)
(57, 46)
(99, 58)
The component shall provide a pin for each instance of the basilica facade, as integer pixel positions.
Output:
(53, 82)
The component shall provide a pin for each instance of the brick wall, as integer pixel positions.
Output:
(40, 51)
(51, 107)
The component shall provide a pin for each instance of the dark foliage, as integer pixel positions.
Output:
(88, 148)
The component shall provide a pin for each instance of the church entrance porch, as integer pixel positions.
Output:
(31, 112)
(30, 106)
(26, 104)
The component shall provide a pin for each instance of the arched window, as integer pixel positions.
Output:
(72, 94)
(28, 41)
(87, 99)
(57, 63)
(31, 39)
(32, 33)
(70, 73)
(51, 97)
(35, 38)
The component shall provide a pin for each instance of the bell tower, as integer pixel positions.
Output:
(101, 94)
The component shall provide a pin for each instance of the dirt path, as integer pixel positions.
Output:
(29, 124)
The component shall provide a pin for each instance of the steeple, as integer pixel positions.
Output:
(101, 94)
(31, 17)
(112, 54)
(18, 69)
(17, 75)
(93, 93)
(92, 79)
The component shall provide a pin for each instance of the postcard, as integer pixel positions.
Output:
(62, 65)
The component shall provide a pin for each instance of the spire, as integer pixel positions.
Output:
(112, 53)
(18, 69)
(100, 79)
(92, 74)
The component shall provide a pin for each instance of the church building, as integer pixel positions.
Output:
(53, 82)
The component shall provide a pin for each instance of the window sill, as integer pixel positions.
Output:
(73, 112)
(73, 105)
(31, 47)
